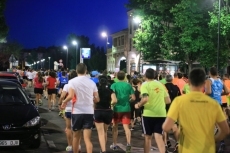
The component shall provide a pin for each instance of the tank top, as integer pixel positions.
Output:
(216, 88)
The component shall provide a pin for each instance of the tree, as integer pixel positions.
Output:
(224, 30)
(3, 26)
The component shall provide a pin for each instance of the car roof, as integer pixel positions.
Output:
(8, 83)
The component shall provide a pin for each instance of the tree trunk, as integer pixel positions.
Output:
(189, 66)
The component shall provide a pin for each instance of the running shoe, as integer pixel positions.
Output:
(221, 148)
(69, 148)
(60, 113)
(176, 148)
(40, 102)
(128, 149)
(113, 147)
(169, 144)
(132, 129)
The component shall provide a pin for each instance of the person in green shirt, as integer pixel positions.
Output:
(122, 113)
(154, 98)
(186, 89)
(163, 79)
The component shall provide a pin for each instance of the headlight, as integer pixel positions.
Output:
(32, 122)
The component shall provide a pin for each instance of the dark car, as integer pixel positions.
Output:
(19, 118)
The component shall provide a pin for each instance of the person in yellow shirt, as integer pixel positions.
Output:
(197, 114)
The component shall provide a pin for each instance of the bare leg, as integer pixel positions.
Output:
(115, 133)
(160, 142)
(148, 142)
(127, 133)
(76, 140)
(101, 135)
(88, 143)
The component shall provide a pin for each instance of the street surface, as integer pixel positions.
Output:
(54, 139)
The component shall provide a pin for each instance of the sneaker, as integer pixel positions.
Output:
(128, 148)
(40, 102)
(169, 144)
(176, 148)
(60, 113)
(113, 147)
(143, 135)
(132, 129)
(69, 148)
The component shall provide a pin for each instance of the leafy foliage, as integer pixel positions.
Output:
(3, 26)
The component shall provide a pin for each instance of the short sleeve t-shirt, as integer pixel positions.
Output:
(123, 90)
(197, 114)
(84, 89)
(155, 106)
(37, 83)
(52, 82)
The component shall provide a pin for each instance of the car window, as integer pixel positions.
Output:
(12, 95)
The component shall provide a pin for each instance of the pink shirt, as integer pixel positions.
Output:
(37, 83)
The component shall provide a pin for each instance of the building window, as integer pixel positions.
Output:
(115, 42)
(119, 41)
(122, 40)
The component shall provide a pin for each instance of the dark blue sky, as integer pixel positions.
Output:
(35, 23)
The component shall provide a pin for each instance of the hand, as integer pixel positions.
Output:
(137, 106)
(63, 106)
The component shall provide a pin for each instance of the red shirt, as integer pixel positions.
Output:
(51, 84)
(37, 83)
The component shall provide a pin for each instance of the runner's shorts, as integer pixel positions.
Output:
(38, 91)
(52, 91)
(152, 125)
(82, 121)
(123, 117)
(103, 116)
(68, 115)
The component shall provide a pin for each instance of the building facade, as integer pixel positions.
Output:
(122, 55)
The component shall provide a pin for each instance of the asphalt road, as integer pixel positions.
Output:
(54, 140)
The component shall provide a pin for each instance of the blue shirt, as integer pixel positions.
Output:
(216, 89)
(95, 79)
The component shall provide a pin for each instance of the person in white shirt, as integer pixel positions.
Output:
(85, 91)
(30, 77)
(68, 110)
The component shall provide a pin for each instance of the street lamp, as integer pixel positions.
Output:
(66, 48)
(218, 39)
(74, 42)
(42, 63)
(49, 62)
(104, 34)
(137, 20)
(37, 64)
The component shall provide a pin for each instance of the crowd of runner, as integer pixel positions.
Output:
(191, 107)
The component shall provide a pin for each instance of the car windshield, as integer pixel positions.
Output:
(12, 95)
(8, 77)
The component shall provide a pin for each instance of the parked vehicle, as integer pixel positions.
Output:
(19, 118)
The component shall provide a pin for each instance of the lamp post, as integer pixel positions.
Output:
(105, 35)
(137, 20)
(34, 65)
(75, 44)
(37, 64)
(218, 39)
(66, 48)
(49, 62)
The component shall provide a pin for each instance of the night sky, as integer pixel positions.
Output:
(35, 23)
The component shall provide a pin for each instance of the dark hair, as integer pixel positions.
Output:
(213, 71)
(81, 68)
(121, 75)
(135, 81)
(103, 81)
(52, 74)
(175, 75)
(40, 77)
(169, 78)
(180, 75)
(63, 73)
(150, 73)
(197, 77)
(128, 77)
(72, 74)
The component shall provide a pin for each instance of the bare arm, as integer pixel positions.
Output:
(70, 95)
(168, 124)
(226, 90)
(114, 98)
(167, 100)
(208, 84)
(223, 131)
(144, 100)
(96, 98)
(63, 94)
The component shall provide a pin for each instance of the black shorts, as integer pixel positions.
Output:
(38, 91)
(30, 79)
(24, 77)
(152, 125)
(103, 116)
(68, 115)
(82, 121)
(52, 91)
(224, 105)
(134, 112)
